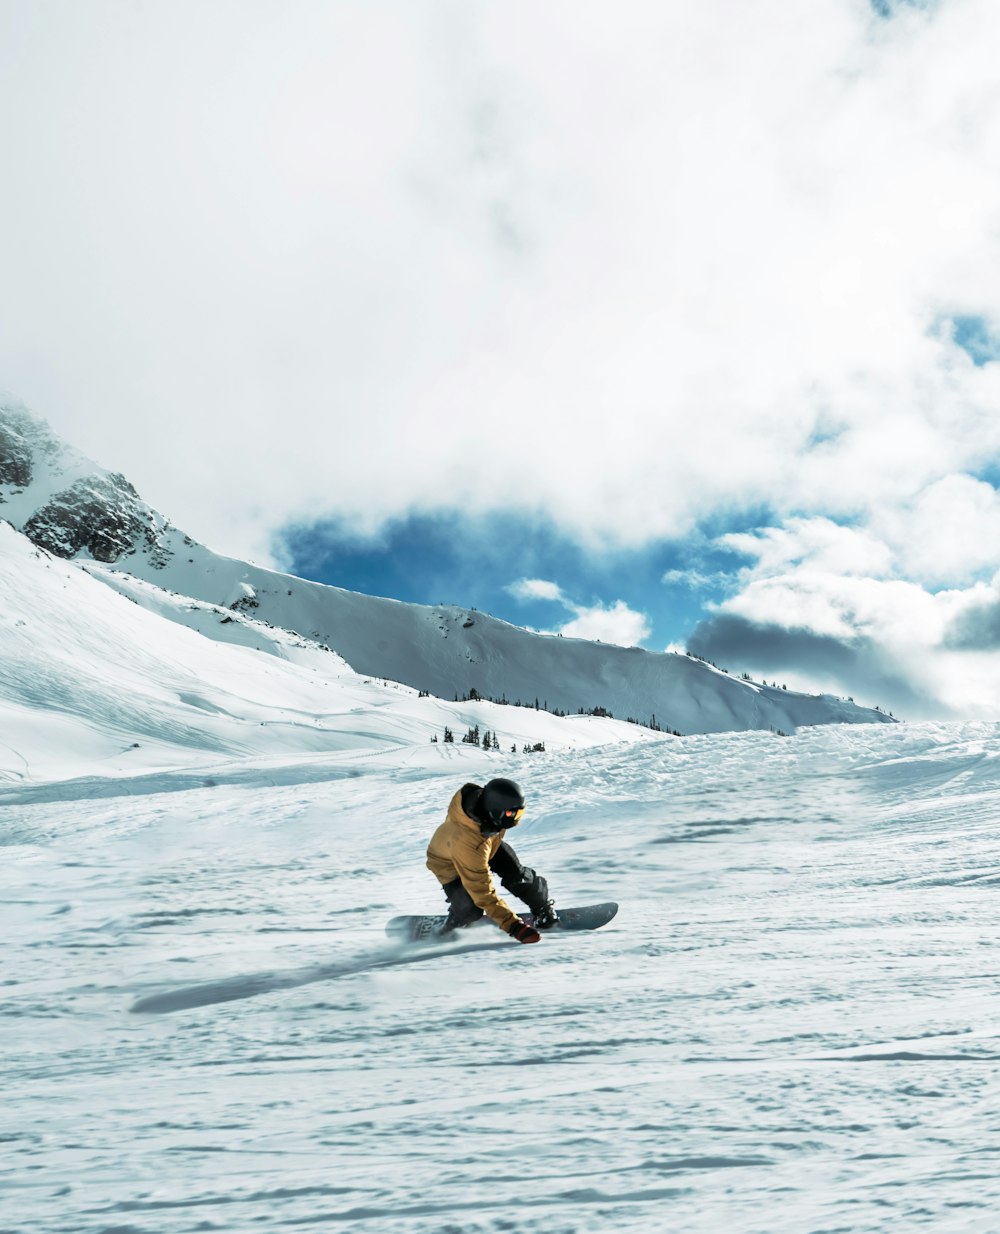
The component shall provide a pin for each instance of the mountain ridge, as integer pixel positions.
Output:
(79, 511)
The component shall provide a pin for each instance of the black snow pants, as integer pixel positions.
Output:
(520, 880)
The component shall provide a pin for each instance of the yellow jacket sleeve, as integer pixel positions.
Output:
(471, 856)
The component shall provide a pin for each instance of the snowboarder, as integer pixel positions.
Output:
(469, 848)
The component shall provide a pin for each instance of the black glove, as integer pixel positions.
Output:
(524, 933)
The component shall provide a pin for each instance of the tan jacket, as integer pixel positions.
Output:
(458, 849)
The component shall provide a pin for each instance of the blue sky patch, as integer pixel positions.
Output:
(976, 337)
(887, 9)
(449, 558)
(989, 473)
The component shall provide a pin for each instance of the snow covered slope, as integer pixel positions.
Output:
(94, 684)
(452, 651)
(789, 1028)
(75, 509)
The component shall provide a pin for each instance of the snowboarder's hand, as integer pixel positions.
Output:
(524, 933)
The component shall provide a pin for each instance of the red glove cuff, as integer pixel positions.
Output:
(524, 933)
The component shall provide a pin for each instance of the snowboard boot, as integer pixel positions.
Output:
(546, 916)
(462, 911)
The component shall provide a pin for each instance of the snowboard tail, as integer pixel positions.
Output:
(416, 928)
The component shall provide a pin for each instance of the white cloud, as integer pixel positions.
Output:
(900, 616)
(615, 623)
(606, 623)
(948, 534)
(536, 589)
(902, 635)
(927, 651)
(819, 542)
(697, 580)
(361, 259)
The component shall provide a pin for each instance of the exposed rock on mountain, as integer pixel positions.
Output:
(68, 505)
(22, 438)
(102, 515)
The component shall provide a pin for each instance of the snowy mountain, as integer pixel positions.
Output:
(92, 684)
(65, 503)
(75, 509)
(206, 820)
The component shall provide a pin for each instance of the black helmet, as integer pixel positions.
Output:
(500, 805)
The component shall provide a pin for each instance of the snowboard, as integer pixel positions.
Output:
(413, 929)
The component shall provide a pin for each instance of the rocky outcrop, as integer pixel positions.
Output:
(22, 440)
(103, 515)
(68, 505)
(246, 599)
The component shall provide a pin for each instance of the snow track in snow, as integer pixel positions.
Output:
(207, 993)
(789, 1028)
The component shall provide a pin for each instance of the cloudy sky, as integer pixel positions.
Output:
(661, 323)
